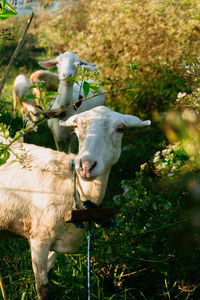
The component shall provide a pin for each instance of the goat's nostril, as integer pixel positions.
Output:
(93, 166)
(87, 166)
(67, 75)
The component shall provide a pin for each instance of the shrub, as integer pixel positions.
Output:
(159, 35)
(155, 235)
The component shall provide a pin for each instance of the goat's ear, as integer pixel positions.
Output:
(69, 122)
(48, 64)
(85, 64)
(132, 121)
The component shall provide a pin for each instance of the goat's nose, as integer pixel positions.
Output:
(67, 75)
(86, 167)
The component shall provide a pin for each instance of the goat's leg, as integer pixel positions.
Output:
(15, 102)
(51, 260)
(39, 254)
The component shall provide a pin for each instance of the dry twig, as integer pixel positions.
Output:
(19, 46)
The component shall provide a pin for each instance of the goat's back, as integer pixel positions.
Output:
(21, 86)
(38, 193)
(51, 79)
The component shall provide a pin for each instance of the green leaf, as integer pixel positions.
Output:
(11, 7)
(183, 64)
(3, 2)
(94, 87)
(2, 127)
(86, 88)
(29, 96)
(197, 80)
(4, 131)
(133, 66)
(4, 156)
(23, 296)
(72, 79)
(18, 135)
(5, 14)
(51, 93)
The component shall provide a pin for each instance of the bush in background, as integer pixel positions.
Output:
(161, 36)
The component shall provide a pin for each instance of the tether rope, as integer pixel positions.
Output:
(75, 205)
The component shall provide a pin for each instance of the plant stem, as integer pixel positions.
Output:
(52, 114)
(19, 46)
(59, 111)
(2, 289)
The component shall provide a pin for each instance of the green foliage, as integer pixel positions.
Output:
(4, 152)
(86, 88)
(46, 97)
(6, 11)
(4, 156)
(83, 78)
(182, 121)
(151, 215)
(155, 44)
(159, 37)
(6, 117)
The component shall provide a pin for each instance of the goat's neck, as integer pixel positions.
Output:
(93, 190)
(66, 91)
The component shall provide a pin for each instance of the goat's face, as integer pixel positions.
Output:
(66, 64)
(99, 132)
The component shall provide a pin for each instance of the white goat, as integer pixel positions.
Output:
(33, 202)
(21, 90)
(50, 79)
(66, 64)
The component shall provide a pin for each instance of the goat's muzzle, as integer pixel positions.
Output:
(86, 168)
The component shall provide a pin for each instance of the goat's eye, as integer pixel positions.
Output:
(75, 125)
(120, 128)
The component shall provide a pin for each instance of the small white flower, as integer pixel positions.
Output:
(181, 95)
(166, 151)
(163, 165)
(156, 157)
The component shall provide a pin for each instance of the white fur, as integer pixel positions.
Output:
(33, 202)
(66, 64)
(21, 90)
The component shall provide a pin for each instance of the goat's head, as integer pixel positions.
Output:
(99, 132)
(66, 64)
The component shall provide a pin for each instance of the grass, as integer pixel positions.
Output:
(68, 280)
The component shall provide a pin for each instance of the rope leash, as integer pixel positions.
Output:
(89, 258)
(80, 225)
(103, 221)
(72, 168)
